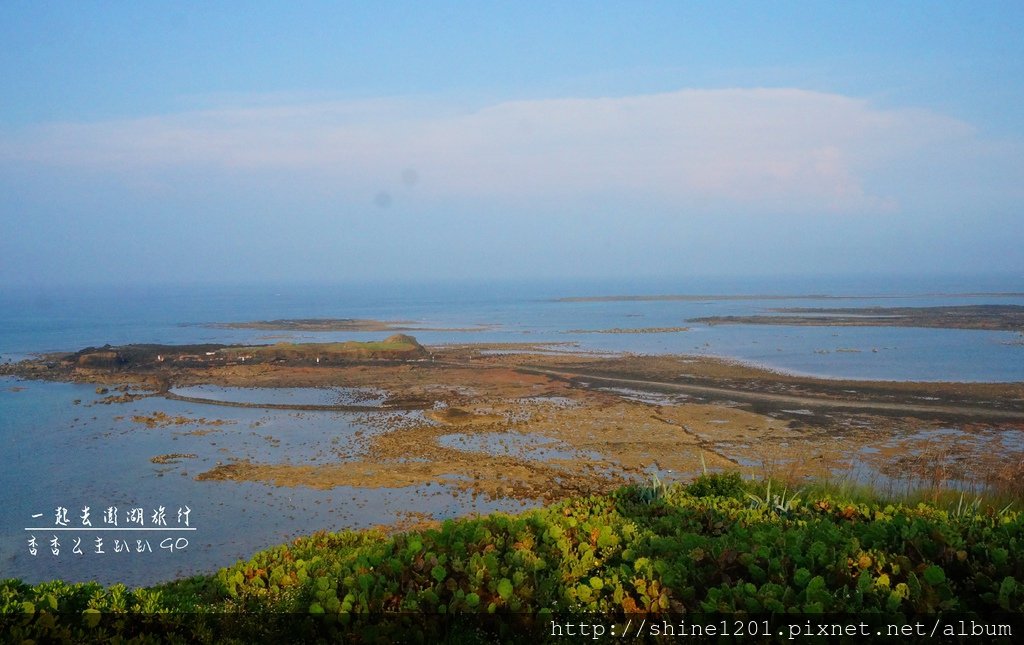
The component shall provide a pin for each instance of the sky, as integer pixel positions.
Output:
(223, 142)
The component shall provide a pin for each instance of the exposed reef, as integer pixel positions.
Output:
(990, 317)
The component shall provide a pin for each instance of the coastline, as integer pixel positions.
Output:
(505, 421)
(471, 428)
(979, 317)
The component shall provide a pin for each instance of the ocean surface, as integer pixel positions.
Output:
(63, 450)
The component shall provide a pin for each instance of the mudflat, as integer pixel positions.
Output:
(525, 422)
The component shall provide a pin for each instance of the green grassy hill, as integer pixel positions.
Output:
(396, 346)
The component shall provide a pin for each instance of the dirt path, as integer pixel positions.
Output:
(788, 399)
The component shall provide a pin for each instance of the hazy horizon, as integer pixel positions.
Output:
(848, 284)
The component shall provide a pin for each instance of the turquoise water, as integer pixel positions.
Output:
(58, 453)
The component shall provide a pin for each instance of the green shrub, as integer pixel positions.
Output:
(718, 485)
(704, 547)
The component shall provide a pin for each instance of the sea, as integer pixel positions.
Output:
(81, 500)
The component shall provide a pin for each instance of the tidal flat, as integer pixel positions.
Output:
(984, 317)
(281, 444)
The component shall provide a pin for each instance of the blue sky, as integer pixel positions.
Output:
(302, 141)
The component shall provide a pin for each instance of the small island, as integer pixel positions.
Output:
(140, 359)
(987, 317)
(339, 324)
(630, 330)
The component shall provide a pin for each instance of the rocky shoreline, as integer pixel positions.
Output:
(508, 421)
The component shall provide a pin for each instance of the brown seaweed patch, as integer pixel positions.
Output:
(362, 474)
(163, 420)
(172, 457)
(126, 397)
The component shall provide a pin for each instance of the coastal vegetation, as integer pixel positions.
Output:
(720, 545)
(142, 360)
(396, 346)
(574, 432)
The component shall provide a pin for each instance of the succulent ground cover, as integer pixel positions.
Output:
(719, 545)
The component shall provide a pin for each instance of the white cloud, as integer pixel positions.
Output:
(761, 149)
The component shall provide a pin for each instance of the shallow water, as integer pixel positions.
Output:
(362, 396)
(938, 446)
(69, 319)
(640, 396)
(56, 453)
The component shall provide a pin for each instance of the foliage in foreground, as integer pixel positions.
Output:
(717, 545)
